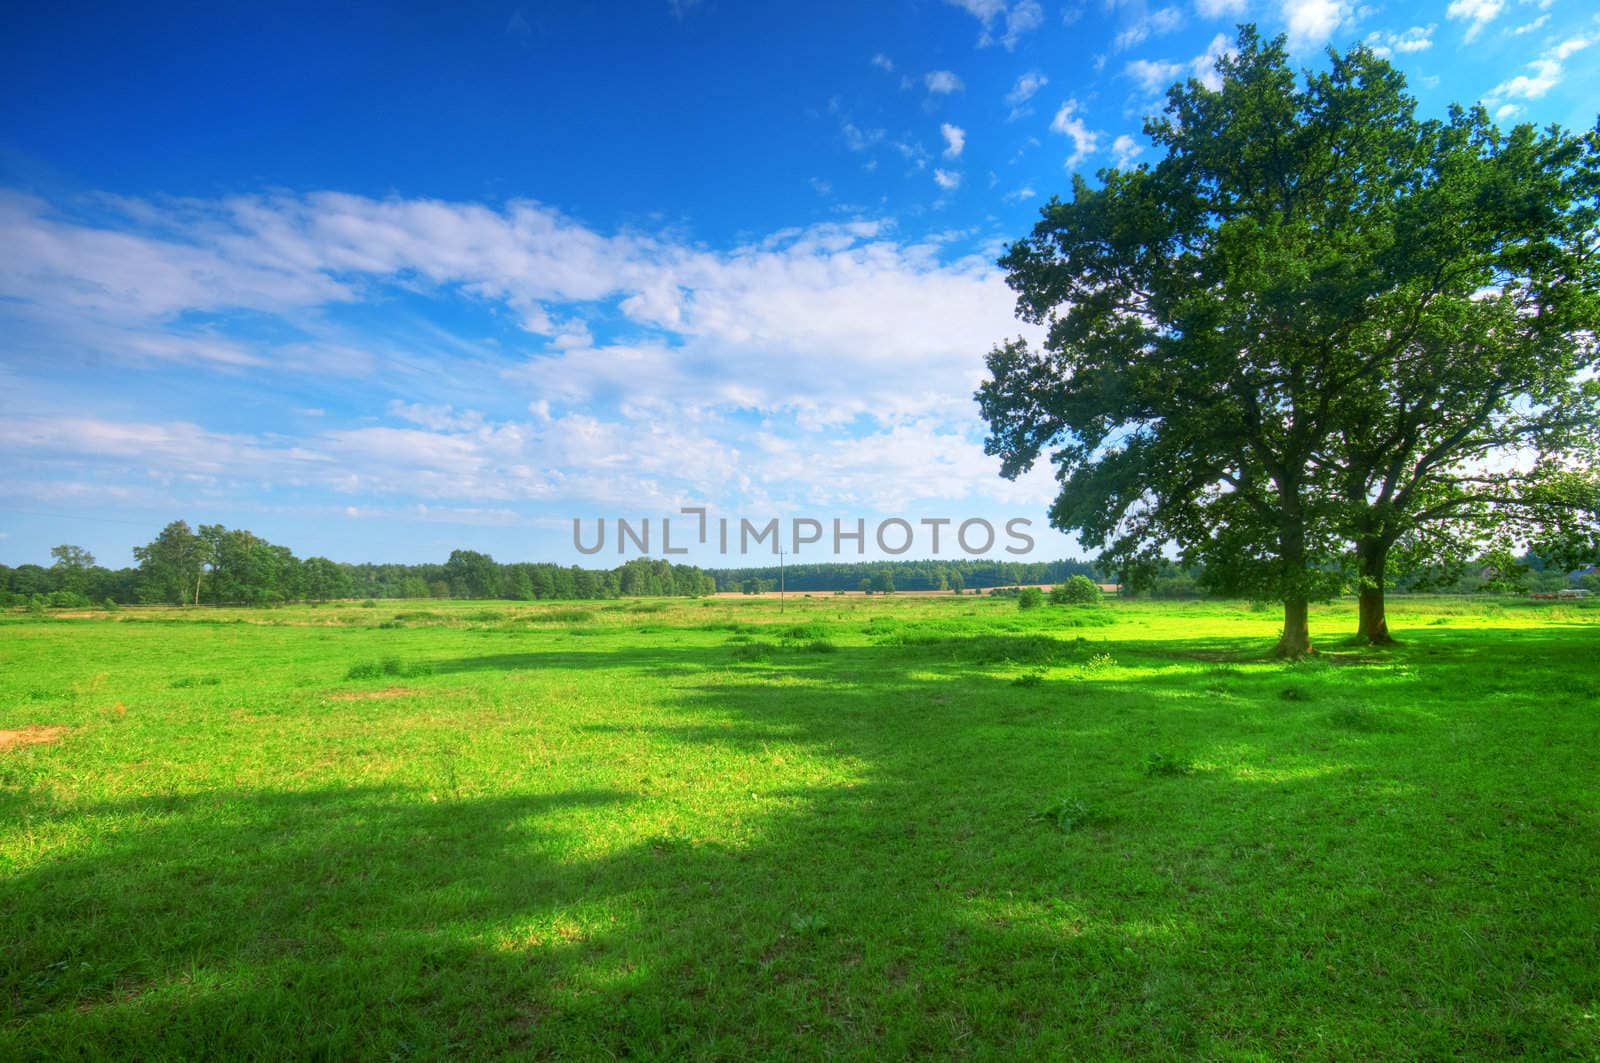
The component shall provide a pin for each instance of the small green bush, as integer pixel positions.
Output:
(1079, 590)
(1030, 598)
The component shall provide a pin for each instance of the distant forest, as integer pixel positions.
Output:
(214, 565)
(890, 576)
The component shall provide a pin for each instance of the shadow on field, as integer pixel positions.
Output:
(1368, 867)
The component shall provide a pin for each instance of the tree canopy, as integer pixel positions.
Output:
(1318, 330)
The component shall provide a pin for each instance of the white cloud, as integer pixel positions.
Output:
(883, 62)
(1475, 13)
(947, 180)
(1085, 142)
(1003, 24)
(955, 139)
(1020, 194)
(982, 10)
(654, 340)
(1025, 88)
(1548, 72)
(1124, 150)
(1415, 39)
(858, 139)
(1530, 27)
(942, 82)
(124, 274)
(1024, 17)
(1220, 8)
(1203, 67)
(1158, 22)
(1313, 22)
(1153, 76)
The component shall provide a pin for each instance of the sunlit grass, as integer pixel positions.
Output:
(462, 830)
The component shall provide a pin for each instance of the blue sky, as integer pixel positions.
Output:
(380, 282)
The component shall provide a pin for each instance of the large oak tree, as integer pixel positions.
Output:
(1307, 334)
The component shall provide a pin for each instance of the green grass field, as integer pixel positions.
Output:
(864, 828)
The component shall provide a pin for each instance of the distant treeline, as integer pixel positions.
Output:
(231, 566)
(890, 576)
(214, 565)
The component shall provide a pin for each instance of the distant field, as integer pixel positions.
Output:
(870, 828)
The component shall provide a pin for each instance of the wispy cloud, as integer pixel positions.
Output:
(1312, 23)
(1069, 123)
(1203, 67)
(858, 139)
(1003, 23)
(1152, 75)
(1415, 39)
(1025, 89)
(834, 298)
(1124, 150)
(942, 82)
(1161, 21)
(1547, 72)
(1475, 13)
(955, 139)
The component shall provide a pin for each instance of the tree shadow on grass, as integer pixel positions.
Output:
(887, 890)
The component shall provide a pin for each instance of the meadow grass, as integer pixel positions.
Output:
(865, 828)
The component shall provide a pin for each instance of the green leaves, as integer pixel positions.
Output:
(1317, 327)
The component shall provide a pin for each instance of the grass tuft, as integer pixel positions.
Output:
(1067, 814)
(1167, 764)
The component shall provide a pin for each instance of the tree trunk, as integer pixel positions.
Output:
(1373, 626)
(1296, 641)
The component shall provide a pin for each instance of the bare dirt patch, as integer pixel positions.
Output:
(32, 735)
(368, 695)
